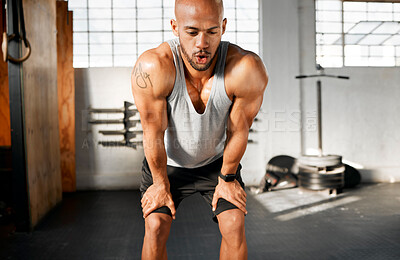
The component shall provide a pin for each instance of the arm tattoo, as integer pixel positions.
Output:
(142, 78)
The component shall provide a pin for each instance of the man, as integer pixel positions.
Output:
(197, 98)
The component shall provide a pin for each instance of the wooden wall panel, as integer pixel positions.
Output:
(5, 136)
(66, 96)
(41, 109)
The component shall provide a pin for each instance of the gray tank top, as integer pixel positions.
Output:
(193, 139)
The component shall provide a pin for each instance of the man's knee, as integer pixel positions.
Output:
(158, 224)
(231, 225)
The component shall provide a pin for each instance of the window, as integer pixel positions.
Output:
(113, 33)
(357, 33)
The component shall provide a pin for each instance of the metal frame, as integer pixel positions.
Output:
(136, 30)
(128, 123)
(15, 82)
(321, 74)
(343, 34)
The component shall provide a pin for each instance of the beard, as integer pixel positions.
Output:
(191, 59)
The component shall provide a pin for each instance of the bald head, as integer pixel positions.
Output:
(213, 8)
(199, 25)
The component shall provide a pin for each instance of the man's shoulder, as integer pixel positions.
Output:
(157, 67)
(244, 67)
(238, 57)
(159, 59)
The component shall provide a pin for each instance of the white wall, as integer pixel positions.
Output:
(99, 167)
(361, 118)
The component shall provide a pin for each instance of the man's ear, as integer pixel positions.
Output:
(174, 26)
(224, 25)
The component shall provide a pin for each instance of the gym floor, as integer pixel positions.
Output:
(360, 223)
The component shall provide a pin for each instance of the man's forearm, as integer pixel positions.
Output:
(236, 143)
(156, 157)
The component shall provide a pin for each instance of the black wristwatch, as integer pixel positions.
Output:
(228, 177)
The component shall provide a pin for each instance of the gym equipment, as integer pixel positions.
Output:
(127, 112)
(320, 178)
(128, 123)
(352, 177)
(322, 171)
(13, 24)
(132, 144)
(18, 22)
(280, 174)
(321, 161)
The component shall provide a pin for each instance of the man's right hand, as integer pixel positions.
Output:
(156, 196)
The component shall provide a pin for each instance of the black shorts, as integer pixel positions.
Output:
(185, 182)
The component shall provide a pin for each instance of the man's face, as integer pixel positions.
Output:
(199, 28)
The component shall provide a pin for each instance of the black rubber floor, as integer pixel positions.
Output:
(362, 223)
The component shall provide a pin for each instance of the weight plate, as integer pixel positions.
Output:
(306, 168)
(306, 175)
(320, 161)
(320, 178)
(313, 169)
(281, 164)
(322, 181)
(329, 171)
(331, 177)
(320, 187)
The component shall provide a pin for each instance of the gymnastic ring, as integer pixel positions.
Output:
(4, 47)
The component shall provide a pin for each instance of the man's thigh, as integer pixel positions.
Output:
(181, 185)
(209, 180)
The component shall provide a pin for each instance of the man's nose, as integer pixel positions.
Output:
(202, 41)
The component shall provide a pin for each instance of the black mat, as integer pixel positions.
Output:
(109, 225)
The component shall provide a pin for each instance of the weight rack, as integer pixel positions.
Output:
(321, 172)
(128, 123)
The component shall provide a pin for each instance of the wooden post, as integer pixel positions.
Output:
(41, 109)
(66, 96)
(5, 130)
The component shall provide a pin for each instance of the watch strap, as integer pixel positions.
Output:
(227, 177)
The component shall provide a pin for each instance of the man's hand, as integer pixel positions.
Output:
(156, 196)
(232, 192)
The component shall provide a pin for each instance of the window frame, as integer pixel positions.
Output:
(345, 58)
(85, 44)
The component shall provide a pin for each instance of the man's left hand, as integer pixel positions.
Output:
(232, 192)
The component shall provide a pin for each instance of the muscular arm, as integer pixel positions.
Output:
(249, 91)
(151, 83)
(250, 80)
